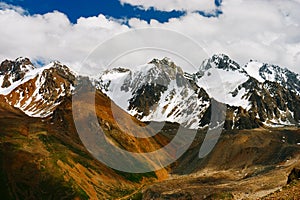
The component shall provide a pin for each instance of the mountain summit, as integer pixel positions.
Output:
(157, 91)
(35, 91)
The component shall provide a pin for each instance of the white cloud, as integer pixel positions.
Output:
(52, 36)
(257, 29)
(18, 9)
(169, 5)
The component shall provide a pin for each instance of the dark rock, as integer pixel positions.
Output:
(294, 175)
(14, 70)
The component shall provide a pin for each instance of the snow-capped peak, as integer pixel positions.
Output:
(266, 72)
(157, 91)
(8, 81)
(220, 76)
(35, 91)
(220, 61)
(256, 88)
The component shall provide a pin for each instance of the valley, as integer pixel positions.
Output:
(233, 171)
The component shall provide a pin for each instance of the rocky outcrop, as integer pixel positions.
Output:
(35, 91)
(13, 71)
(294, 175)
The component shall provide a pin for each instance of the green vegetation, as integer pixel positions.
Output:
(136, 178)
(58, 151)
(57, 188)
(121, 192)
(27, 180)
(57, 146)
(137, 196)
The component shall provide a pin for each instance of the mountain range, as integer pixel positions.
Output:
(256, 94)
(38, 132)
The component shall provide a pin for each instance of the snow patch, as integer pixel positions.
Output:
(221, 84)
(252, 69)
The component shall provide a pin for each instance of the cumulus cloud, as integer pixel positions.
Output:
(18, 9)
(257, 29)
(169, 5)
(52, 36)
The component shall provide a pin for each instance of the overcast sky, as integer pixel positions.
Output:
(263, 30)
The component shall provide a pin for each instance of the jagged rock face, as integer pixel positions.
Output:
(35, 91)
(271, 103)
(12, 71)
(236, 118)
(158, 91)
(220, 61)
(239, 118)
(278, 103)
(284, 77)
(257, 93)
(150, 88)
(146, 97)
(58, 82)
(224, 62)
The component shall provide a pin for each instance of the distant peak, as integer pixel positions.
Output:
(164, 61)
(118, 70)
(18, 61)
(220, 56)
(220, 61)
(19, 65)
(23, 60)
(56, 62)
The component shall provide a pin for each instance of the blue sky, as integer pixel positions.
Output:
(75, 9)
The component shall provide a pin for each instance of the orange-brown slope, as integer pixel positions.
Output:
(118, 126)
(37, 161)
(44, 158)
